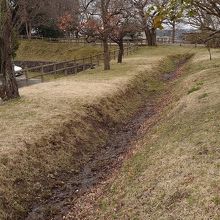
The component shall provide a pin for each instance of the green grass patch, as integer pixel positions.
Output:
(216, 200)
(194, 89)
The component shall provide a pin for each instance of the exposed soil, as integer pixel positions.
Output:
(73, 187)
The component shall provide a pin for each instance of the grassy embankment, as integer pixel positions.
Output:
(39, 50)
(56, 126)
(175, 171)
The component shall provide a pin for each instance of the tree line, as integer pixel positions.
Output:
(96, 19)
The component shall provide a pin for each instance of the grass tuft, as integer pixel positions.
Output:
(194, 89)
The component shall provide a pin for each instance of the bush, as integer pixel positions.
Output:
(52, 32)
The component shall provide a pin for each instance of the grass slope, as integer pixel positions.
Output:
(38, 50)
(175, 171)
(57, 126)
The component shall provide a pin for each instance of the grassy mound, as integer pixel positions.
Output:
(56, 127)
(38, 50)
(174, 173)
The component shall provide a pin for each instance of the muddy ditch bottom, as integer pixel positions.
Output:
(101, 165)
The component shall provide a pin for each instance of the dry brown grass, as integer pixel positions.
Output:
(174, 173)
(50, 128)
(50, 102)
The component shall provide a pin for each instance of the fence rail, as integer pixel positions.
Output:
(83, 41)
(80, 40)
(40, 73)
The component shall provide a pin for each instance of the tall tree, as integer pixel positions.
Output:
(123, 24)
(141, 6)
(150, 18)
(9, 88)
(97, 19)
(69, 19)
(173, 14)
(31, 13)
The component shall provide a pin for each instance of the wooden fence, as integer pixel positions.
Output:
(41, 73)
(82, 40)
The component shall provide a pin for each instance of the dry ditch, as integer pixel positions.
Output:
(110, 157)
(66, 165)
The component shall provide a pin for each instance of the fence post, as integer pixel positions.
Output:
(26, 76)
(84, 64)
(97, 57)
(55, 68)
(91, 60)
(42, 78)
(42, 73)
(65, 68)
(42, 68)
(76, 67)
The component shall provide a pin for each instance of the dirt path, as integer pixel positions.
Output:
(74, 188)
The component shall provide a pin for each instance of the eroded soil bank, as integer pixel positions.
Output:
(121, 141)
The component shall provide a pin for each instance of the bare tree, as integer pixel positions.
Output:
(123, 24)
(69, 19)
(9, 88)
(150, 17)
(173, 13)
(212, 7)
(141, 6)
(206, 18)
(31, 13)
(13, 13)
(96, 22)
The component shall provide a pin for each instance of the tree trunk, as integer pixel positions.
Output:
(9, 88)
(150, 36)
(121, 51)
(106, 27)
(173, 32)
(28, 29)
(154, 37)
(77, 34)
(106, 54)
(209, 50)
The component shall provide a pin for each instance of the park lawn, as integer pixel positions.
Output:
(51, 127)
(174, 172)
